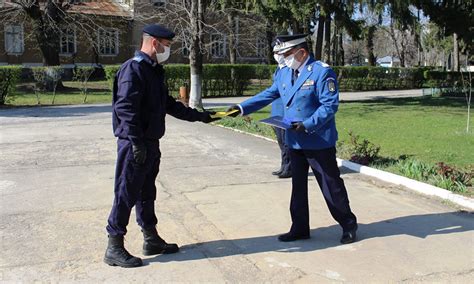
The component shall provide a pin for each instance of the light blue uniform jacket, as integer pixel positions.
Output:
(313, 99)
(277, 105)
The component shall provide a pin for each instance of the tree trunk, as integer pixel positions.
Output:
(319, 38)
(334, 51)
(45, 30)
(269, 35)
(370, 45)
(195, 54)
(327, 39)
(455, 52)
(232, 22)
(341, 50)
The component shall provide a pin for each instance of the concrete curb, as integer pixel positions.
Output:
(414, 185)
(411, 184)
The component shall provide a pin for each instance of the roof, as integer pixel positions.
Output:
(99, 7)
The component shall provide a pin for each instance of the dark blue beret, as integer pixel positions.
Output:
(158, 31)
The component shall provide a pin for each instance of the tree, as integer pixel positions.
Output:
(455, 16)
(46, 18)
(188, 19)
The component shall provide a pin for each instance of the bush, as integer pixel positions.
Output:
(358, 150)
(82, 75)
(110, 71)
(9, 76)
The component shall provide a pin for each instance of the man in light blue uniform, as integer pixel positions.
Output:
(310, 97)
(277, 110)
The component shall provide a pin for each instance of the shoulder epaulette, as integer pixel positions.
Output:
(322, 64)
(138, 58)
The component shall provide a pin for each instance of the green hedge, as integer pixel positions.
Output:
(233, 80)
(365, 78)
(9, 75)
(447, 83)
(218, 79)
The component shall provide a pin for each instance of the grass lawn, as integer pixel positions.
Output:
(428, 129)
(98, 92)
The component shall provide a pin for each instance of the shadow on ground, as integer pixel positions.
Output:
(419, 226)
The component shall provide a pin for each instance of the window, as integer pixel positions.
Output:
(67, 41)
(261, 48)
(108, 41)
(217, 45)
(184, 49)
(14, 39)
(158, 3)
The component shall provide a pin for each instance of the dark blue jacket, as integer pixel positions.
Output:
(141, 101)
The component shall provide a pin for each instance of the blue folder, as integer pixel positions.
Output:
(278, 121)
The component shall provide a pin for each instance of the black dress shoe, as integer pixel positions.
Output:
(285, 175)
(290, 237)
(277, 173)
(348, 237)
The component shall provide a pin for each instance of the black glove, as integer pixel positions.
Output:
(206, 116)
(298, 126)
(234, 107)
(139, 153)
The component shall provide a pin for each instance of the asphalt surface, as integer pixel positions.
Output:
(216, 199)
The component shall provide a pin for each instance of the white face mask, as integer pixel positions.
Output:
(280, 59)
(162, 57)
(291, 61)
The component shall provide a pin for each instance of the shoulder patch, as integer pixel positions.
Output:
(331, 85)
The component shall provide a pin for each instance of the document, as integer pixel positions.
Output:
(278, 121)
(221, 114)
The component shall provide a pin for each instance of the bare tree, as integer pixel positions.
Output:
(188, 19)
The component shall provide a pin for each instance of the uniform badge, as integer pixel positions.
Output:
(331, 85)
(308, 83)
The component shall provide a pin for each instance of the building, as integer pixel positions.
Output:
(108, 32)
(388, 61)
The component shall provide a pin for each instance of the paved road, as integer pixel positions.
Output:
(343, 96)
(217, 199)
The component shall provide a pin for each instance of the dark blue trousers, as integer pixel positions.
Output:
(134, 186)
(324, 165)
(285, 166)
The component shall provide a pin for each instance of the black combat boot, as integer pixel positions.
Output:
(154, 244)
(117, 255)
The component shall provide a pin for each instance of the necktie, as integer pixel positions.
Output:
(295, 76)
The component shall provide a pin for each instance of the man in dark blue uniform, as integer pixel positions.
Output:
(140, 104)
(310, 96)
(277, 110)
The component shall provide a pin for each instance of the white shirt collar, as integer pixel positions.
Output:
(300, 69)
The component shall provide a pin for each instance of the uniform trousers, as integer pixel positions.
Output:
(324, 166)
(285, 166)
(134, 186)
